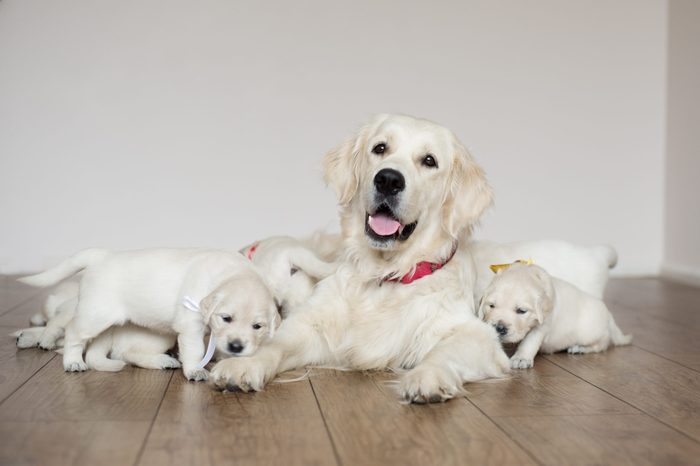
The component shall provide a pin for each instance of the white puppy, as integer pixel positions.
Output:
(111, 350)
(586, 267)
(148, 287)
(290, 268)
(527, 305)
(402, 297)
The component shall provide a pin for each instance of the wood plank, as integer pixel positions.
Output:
(18, 317)
(624, 439)
(669, 339)
(49, 443)
(370, 426)
(672, 301)
(545, 390)
(17, 366)
(200, 426)
(652, 384)
(53, 395)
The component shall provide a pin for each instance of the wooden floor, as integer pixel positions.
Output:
(633, 405)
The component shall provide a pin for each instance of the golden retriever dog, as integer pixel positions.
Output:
(401, 298)
(526, 305)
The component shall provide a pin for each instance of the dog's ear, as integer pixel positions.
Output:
(208, 305)
(546, 297)
(480, 310)
(468, 195)
(276, 319)
(342, 165)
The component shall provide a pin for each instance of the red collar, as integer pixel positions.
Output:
(251, 251)
(423, 269)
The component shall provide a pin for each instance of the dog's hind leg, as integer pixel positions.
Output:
(149, 360)
(85, 326)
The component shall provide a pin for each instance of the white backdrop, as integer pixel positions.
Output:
(130, 124)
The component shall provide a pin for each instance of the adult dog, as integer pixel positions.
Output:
(401, 299)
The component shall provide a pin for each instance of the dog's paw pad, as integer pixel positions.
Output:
(521, 363)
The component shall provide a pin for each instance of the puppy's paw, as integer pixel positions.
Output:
(37, 320)
(75, 366)
(521, 363)
(26, 340)
(576, 349)
(48, 344)
(167, 362)
(428, 385)
(197, 375)
(244, 374)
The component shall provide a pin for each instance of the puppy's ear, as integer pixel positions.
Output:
(209, 304)
(480, 310)
(468, 195)
(276, 319)
(342, 165)
(545, 300)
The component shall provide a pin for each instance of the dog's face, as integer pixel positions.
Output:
(403, 180)
(518, 299)
(242, 314)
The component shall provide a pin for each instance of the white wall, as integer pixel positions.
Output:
(682, 248)
(129, 124)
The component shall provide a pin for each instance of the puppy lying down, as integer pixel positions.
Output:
(290, 267)
(149, 287)
(544, 314)
(111, 350)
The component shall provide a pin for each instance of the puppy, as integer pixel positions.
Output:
(148, 288)
(290, 268)
(586, 267)
(402, 297)
(544, 314)
(111, 350)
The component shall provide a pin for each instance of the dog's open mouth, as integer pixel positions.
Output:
(382, 225)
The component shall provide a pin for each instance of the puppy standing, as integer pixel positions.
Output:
(527, 305)
(147, 288)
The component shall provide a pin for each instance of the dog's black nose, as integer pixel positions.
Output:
(235, 346)
(501, 329)
(389, 181)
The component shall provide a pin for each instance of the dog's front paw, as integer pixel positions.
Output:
(47, 343)
(521, 363)
(75, 366)
(428, 385)
(197, 375)
(245, 374)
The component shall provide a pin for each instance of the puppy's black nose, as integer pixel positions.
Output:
(389, 181)
(501, 329)
(235, 346)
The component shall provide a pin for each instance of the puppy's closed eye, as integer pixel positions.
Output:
(520, 310)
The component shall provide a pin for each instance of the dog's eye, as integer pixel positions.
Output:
(430, 161)
(520, 310)
(379, 149)
(492, 306)
(227, 319)
(257, 326)
(293, 270)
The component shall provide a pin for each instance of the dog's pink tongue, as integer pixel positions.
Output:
(383, 225)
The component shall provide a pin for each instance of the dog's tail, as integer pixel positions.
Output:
(65, 269)
(310, 263)
(97, 353)
(618, 338)
(607, 255)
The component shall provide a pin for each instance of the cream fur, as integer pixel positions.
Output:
(426, 329)
(554, 315)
